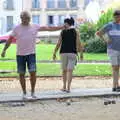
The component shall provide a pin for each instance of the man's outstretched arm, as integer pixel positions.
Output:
(54, 28)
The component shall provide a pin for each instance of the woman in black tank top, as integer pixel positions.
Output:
(69, 45)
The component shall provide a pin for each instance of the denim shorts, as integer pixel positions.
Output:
(26, 60)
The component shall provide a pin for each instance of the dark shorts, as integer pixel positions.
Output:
(26, 60)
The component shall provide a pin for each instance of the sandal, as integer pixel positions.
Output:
(68, 91)
(63, 90)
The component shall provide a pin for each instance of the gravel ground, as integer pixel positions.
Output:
(53, 83)
(79, 109)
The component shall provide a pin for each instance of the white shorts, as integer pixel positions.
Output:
(68, 61)
(114, 56)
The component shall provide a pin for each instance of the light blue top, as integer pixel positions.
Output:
(112, 30)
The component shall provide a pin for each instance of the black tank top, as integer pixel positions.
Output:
(68, 41)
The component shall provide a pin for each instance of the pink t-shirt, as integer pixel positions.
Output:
(25, 38)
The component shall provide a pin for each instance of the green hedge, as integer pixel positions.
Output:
(88, 30)
(105, 18)
(95, 45)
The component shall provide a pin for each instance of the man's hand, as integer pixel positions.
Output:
(3, 53)
(54, 56)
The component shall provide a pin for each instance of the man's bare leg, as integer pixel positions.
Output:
(33, 82)
(23, 82)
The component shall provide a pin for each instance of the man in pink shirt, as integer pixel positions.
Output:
(25, 34)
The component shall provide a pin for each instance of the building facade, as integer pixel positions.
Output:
(9, 14)
(53, 12)
(43, 12)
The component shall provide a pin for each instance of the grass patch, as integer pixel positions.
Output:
(52, 69)
(45, 51)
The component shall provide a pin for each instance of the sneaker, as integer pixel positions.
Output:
(24, 96)
(33, 95)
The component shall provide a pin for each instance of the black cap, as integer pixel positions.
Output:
(116, 13)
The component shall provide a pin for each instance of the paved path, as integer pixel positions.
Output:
(54, 94)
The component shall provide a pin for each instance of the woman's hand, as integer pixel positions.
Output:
(81, 56)
(54, 56)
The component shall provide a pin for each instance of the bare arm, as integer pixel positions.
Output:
(9, 41)
(102, 36)
(57, 47)
(79, 45)
(47, 28)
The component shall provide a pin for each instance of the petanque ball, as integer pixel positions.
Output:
(105, 103)
(68, 102)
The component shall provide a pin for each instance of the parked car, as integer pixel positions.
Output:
(44, 35)
(4, 38)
